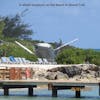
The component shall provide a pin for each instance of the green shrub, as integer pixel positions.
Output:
(8, 49)
(77, 56)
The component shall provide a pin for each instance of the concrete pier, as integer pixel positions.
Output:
(78, 94)
(54, 89)
(54, 92)
(6, 91)
(7, 87)
(30, 91)
(53, 85)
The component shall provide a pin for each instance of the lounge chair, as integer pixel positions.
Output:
(26, 61)
(54, 62)
(46, 61)
(17, 60)
(20, 60)
(40, 61)
(12, 59)
(23, 60)
(4, 60)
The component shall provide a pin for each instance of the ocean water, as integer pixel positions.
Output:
(97, 50)
(44, 94)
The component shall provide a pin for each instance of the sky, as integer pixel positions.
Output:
(52, 22)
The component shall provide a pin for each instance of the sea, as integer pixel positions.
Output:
(45, 94)
(97, 50)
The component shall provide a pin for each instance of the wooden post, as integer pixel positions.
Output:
(50, 86)
(6, 91)
(30, 91)
(78, 94)
(54, 92)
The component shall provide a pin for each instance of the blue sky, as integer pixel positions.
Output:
(51, 23)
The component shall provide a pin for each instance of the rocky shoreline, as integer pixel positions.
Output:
(68, 72)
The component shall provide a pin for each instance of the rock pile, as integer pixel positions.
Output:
(79, 71)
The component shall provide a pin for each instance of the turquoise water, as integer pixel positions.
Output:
(46, 95)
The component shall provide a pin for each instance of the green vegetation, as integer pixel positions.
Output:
(12, 28)
(15, 28)
(77, 56)
(9, 48)
(2, 24)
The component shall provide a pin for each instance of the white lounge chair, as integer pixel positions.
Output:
(20, 60)
(40, 61)
(24, 60)
(17, 60)
(4, 60)
(46, 61)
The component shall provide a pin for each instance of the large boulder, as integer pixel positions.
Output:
(60, 69)
(97, 74)
(90, 71)
(91, 67)
(51, 75)
(62, 76)
(73, 70)
(39, 75)
(56, 76)
(70, 71)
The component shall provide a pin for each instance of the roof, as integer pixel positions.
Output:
(44, 45)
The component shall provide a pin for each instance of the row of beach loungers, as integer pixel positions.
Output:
(19, 60)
